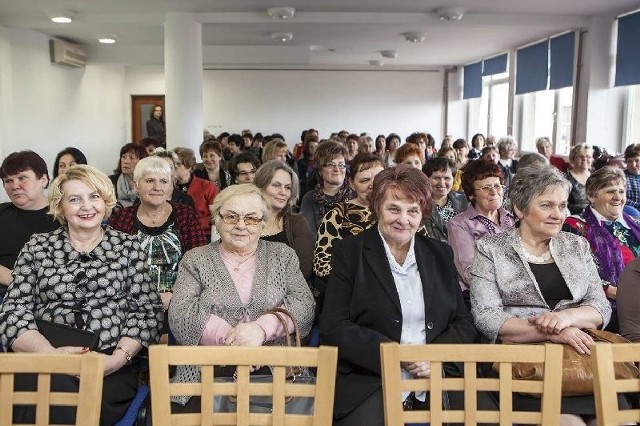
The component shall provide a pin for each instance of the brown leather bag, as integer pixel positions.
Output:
(577, 375)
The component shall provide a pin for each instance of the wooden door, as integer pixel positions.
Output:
(141, 106)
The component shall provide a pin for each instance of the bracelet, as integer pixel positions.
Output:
(127, 354)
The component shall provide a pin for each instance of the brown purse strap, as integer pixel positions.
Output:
(278, 312)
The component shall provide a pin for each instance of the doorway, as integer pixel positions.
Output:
(141, 107)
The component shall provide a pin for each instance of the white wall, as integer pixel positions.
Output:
(46, 108)
(288, 102)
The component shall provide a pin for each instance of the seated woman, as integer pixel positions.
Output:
(66, 158)
(213, 168)
(122, 178)
(275, 149)
(446, 203)
(348, 218)
(581, 160)
(410, 154)
(89, 277)
(482, 184)
(165, 230)
(25, 177)
(279, 184)
(392, 144)
(389, 285)
(535, 283)
(243, 167)
(613, 235)
(332, 187)
(202, 191)
(225, 289)
(171, 158)
(306, 166)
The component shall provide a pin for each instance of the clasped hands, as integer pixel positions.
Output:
(246, 334)
(559, 329)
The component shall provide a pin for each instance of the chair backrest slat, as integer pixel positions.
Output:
(88, 367)
(393, 354)
(607, 387)
(247, 393)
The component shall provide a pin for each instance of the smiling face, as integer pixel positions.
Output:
(487, 195)
(546, 214)
(441, 183)
(25, 190)
(609, 201)
(210, 159)
(398, 220)
(334, 171)
(278, 191)
(246, 173)
(241, 237)
(154, 189)
(362, 183)
(583, 160)
(82, 206)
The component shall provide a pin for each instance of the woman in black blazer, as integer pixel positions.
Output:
(389, 284)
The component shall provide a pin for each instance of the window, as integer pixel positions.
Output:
(488, 115)
(547, 113)
(632, 116)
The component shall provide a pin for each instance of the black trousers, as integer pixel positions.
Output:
(119, 389)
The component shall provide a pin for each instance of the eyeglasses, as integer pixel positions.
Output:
(232, 219)
(488, 188)
(247, 173)
(339, 166)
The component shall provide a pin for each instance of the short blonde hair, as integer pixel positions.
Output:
(238, 190)
(271, 148)
(89, 175)
(579, 149)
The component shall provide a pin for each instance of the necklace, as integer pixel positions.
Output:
(154, 219)
(228, 257)
(532, 258)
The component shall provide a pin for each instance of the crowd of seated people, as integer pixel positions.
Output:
(363, 240)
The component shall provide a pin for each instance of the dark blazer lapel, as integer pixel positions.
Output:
(425, 261)
(376, 259)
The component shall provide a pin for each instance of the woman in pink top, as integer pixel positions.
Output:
(225, 289)
(483, 184)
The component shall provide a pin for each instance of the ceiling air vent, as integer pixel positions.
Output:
(68, 55)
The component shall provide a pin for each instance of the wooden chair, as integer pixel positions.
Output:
(323, 358)
(606, 386)
(470, 354)
(89, 367)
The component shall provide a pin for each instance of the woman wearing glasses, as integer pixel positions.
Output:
(279, 184)
(243, 167)
(482, 183)
(332, 187)
(225, 289)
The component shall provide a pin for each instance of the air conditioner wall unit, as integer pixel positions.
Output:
(66, 54)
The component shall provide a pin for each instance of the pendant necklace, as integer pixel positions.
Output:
(532, 258)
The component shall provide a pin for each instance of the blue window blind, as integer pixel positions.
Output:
(495, 65)
(532, 68)
(628, 55)
(472, 81)
(561, 67)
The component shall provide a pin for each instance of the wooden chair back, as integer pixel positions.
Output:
(606, 387)
(470, 355)
(88, 367)
(323, 358)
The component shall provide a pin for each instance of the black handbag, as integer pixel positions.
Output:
(64, 335)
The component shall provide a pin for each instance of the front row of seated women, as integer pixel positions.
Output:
(389, 283)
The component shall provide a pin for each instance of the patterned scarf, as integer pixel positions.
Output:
(606, 247)
(326, 202)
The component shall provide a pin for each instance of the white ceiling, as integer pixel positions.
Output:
(335, 34)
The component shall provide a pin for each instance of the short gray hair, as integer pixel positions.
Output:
(534, 180)
(265, 174)
(506, 142)
(542, 140)
(238, 190)
(576, 150)
(532, 158)
(604, 177)
(150, 165)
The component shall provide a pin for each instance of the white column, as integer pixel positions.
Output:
(183, 80)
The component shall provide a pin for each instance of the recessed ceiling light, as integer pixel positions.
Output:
(62, 16)
(107, 38)
(283, 37)
(281, 12)
(450, 13)
(376, 63)
(392, 54)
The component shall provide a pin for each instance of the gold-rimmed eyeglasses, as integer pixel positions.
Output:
(487, 189)
(232, 219)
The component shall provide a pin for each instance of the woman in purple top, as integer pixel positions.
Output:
(483, 184)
